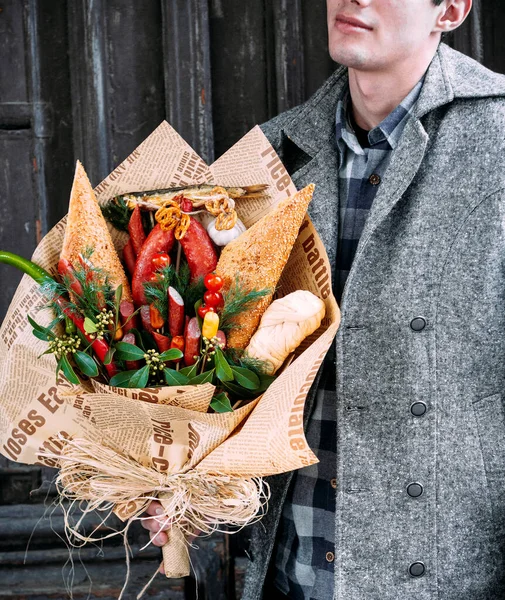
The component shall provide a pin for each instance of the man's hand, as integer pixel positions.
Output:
(156, 525)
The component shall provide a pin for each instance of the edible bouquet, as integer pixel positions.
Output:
(164, 338)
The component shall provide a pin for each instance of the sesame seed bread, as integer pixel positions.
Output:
(86, 228)
(258, 257)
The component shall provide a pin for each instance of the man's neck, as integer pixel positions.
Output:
(375, 94)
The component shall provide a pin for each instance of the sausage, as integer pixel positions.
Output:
(128, 319)
(192, 338)
(175, 312)
(199, 250)
(131, 365)
(136, 230)
(129, 257)
(145, 316)
(157, 241)
(221, 337)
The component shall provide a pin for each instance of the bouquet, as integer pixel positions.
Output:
(181, 372)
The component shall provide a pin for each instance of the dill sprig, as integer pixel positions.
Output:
(237, 357)
(237, 300)
(157, 291)
(117, 213)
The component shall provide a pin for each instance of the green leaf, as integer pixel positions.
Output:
(265, 382)
(140, 378)
(37, 327)
(69, 373)
(199, 303)
(246, 378)
(86, 364)
(202, 378)
(108, 357)
(41, 335)
(89, 326)
(240, 392)
(125, 351)
(172, 354)
(221, 403)
(223, 369)
(131, 379)
(122, 379)
(190, 371)
(173, 377)
(118, 294)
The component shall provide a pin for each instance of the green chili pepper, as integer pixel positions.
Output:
(70, 327)
(37, 273)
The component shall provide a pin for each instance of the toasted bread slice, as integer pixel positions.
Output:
(86, 228)
(258, 257)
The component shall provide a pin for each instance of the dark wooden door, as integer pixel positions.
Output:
(89, 80)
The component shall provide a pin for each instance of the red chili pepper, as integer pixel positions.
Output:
(178, 343)
(65, 269)
(157, 321)
(100, 347)
(129, 256)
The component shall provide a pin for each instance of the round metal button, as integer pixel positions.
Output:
(334, 483)
(374, 179)
(414, 490)
(417, 569)
(418, 409)
(418, 324)
(330, 557)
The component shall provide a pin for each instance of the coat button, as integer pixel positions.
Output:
(374, 179)
(330, 557)
(414, 490)
(334, 483)
(418, 324)
(418, 409)
(417, 569)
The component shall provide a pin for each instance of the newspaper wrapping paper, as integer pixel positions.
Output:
(166, 430)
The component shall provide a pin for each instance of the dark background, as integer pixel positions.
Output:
(89, 80)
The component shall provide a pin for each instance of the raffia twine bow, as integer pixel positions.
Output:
(107, 481)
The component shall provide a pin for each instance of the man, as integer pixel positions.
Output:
(405, 146)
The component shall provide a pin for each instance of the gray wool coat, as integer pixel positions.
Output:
(423, 321)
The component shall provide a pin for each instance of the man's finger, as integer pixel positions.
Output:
(154, 509)
(156, 525)
(158, 539)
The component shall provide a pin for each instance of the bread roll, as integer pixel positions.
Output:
(284, 326)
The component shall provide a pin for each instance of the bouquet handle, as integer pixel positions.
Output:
(175, 552)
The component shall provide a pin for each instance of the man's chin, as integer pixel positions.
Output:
(352, 57)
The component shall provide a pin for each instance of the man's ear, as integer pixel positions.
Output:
(452, 14)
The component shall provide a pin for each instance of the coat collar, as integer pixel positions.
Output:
(451, 75)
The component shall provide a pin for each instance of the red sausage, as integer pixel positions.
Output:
(192, 339)
(175, 312)
(126, 310)
(129, 257)
(136, 230)
(157, 241)
(199, 250)
(131, 365)
(145, 316)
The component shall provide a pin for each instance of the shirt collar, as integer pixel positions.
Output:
(388, 131)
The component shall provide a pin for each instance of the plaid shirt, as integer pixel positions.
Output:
(303, 567)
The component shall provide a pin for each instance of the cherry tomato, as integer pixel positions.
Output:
(160, 260)
(213, 282)
(214, 299)
(203, 309)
